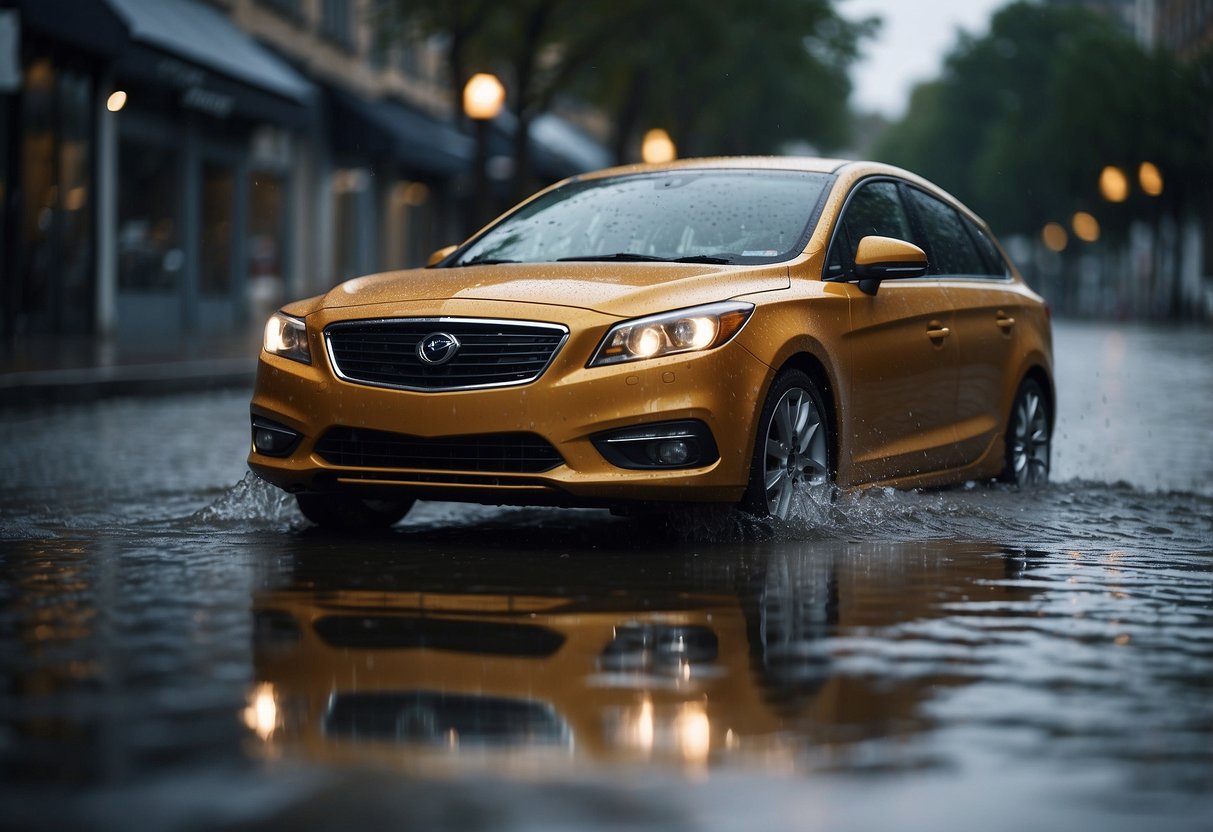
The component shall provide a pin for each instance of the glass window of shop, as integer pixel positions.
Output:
(218, 197)
(410, 225)
(267, 242)
(351, 222)
(50, 289)
(150, 256)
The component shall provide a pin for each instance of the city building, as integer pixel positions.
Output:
(181, 166)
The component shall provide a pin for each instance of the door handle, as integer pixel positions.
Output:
(1004, 321)
(936, 332)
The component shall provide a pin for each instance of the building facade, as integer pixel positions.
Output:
(181, 166)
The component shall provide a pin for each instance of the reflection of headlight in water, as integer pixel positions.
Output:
(683, 730)
(658, 649)
(694, 732)
(261, 713)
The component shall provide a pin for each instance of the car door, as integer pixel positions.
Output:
(986, 308)
(901, 356)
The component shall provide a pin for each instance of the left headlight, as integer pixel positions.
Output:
(684, 330)
(287, 336)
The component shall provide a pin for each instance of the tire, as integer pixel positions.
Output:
(1029, 440)
(793, 449)
(344, 512)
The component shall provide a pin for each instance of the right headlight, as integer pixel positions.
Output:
(287, 336)
(683, 330)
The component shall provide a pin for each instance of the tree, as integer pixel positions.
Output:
(1024, 119)
(728, 76)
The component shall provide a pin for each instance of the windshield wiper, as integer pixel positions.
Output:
(628, 256)
(485, 261)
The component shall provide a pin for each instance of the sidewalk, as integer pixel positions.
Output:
(56, 370)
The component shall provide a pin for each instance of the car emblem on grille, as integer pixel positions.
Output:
(437, 348)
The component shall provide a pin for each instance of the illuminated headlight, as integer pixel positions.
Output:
(287, 336)
(685, 330)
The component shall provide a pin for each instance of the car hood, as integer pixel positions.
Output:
(621, 289)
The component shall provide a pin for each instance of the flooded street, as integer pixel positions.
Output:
(182, 652)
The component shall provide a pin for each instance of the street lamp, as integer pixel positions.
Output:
(483, 97)
(1113, 184)
(658, 147)
(1150, 178)
(1086, 227)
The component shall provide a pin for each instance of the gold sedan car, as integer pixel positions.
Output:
(718, 330)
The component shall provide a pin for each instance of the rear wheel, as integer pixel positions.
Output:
(349, 513)
(793, 449)
(1029, 439)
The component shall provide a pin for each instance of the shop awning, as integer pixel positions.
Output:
(390, 130)
(88, 25)
(219, 70)
(568, 150)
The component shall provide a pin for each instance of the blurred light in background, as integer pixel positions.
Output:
(483, 96)
(116, 101)
(1150, 178)
(1113, 184)
(658, 147)
(1054, 237)
(1086, 227)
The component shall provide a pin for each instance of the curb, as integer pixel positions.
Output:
(92, 383)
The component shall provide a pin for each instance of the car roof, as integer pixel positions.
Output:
(802, 163)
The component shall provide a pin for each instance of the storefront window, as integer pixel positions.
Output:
(150, 258)
(409, 225)
(349, 190)
(218, 188)
(267, 241)
(53, 287)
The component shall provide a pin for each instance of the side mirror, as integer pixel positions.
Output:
(440, 255)
(887, 258)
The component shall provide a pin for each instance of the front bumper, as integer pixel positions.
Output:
(569, 406)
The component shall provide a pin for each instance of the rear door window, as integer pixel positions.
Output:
(950, 248)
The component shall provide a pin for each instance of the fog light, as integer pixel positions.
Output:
(272, 439)
(673, 452)
(682, 444)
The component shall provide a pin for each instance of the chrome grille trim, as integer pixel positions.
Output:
(494, 353)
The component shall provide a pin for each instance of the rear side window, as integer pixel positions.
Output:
(950, 248)
(995, 265)
(875, 209)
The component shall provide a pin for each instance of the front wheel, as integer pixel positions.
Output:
(1029, 440)
(345, 512)
(793, 448)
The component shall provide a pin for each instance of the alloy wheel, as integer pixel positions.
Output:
(1030, 441)
(796, 451)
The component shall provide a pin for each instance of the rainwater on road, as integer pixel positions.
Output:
(181, 651)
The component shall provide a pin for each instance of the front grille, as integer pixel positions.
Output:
(384, 353)
(440, 718)
(497, 453)
(455, 635)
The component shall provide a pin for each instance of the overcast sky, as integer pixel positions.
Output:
(910, 48)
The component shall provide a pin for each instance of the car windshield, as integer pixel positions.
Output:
(713, 216)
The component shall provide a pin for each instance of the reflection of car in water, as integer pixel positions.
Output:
(485, 671)
(431, 670)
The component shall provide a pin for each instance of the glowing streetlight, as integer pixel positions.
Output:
(483, 97)
(658, 147)
(116, 101)
(1054, 237)
(1086, 227)
(1150, 178)
(1113, 184)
